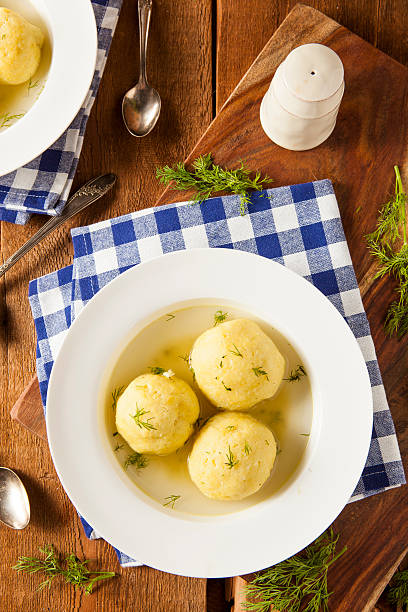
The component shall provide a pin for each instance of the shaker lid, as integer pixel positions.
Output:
(313, 72)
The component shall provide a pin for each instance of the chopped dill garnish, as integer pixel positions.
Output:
(137, 459)
(116, 433)
(267, 442)
(75, 572)
(31, 85)
(231, 461)
(225, 386)
(398, 589)
(304, 434)
(170, 316)
(6, 119)
(207, 178)
(278, 451)
(296, 374)
(236, 351)
(247, 448)
(136, 417)
(390, 249)
(292, 583)
(116, 393)
(230, 428)
(260, 372)
(171, 500)
(118, 447)
(219, 317)
(157, 370)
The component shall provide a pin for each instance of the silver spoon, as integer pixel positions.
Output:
(141, 104)
(14, 504)
(86, 195)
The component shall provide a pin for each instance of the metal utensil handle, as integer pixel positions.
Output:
(144, 9)
(86, 195)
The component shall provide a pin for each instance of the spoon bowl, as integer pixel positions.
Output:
(14, 504)
(141, 109)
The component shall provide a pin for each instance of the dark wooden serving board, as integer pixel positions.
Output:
(370, 137)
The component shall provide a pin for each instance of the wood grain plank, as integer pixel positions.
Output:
(180, 44)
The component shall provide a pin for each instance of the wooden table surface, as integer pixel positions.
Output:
(197, 53)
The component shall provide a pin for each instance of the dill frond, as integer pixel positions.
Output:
(260, 372)
(220, 317)
(398, 591)
(207, 179)
(295, 581)
(142, 424)
(75, 572)
(296, 374)
(231, 460)
(137, 459)
(393, 261)
(116, 393)
(171, 500)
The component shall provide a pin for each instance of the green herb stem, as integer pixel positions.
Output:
(206, 178)
(75, 572)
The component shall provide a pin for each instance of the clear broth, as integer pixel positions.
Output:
(18, 99)
(164, 343)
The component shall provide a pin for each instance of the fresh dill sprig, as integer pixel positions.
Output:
(142, 424)
(295, 581)
(236, 351)
(247, 448)
(116, 393)
(118, 447)
(219, 317)
(171, 500)
(231, 460)
(230, 428)
(260, 372)
(207, 178)
(6, 119)
(170, 316)
(157, 370)
(225, 386)
(398, 589)
(392, 258)
(75, 572)
(137, 459)
(296, 374)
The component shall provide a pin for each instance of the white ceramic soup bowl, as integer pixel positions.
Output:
(258, 536)
(72, 31)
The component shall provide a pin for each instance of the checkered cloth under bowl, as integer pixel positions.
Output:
(43, 185)
(298, 226)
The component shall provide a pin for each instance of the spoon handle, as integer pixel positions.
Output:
(86, 195)
(145, 9)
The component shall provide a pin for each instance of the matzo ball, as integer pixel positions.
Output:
(232, 456)
(237, 365)
(156, 414)
(20, 48)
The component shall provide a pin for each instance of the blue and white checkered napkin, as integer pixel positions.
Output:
(297, 226)
(43, 185)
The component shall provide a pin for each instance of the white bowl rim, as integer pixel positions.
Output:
(268, 532)
(66, 87)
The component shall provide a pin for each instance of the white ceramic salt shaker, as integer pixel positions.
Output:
(299, 110)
